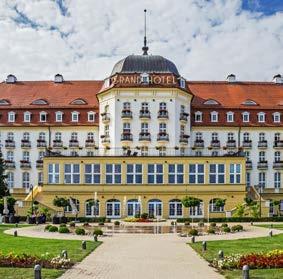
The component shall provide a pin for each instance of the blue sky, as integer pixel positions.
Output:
(83, 39)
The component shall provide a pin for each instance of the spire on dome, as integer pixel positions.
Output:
(145, 47)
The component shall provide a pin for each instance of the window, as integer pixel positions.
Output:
(113, 173)
(155, 173)
(216, 173)
(175, 173)
(261, 156)
(261, 137)
(182, 151)
(10, 136)
(126, 106)
(277, 180)
(182, 130)
(230, 116)
(162, 127)
(126, 128)
(175, 208)
(59, 116)
(198, 136)
(261, 117)
(277, 156)
(248, 179)
(43, 116)
(144, 128)
(41, 155)
(198, 116)
(162, 151)
(182, 109)
(25, 180)
(26, 156)
(74, 136)
(90, 136)
(247, 155)
(78, 102)
(144, 78)
(92, 208)
(58, 136)
(11, 116)
(113, 208)
(144, 106)
(75, 116)
(246, 116)
(162, 106)
(262, 179)
(26, 136)
(134, 173)
(144, 151)
(106, 130)
(246, 137)
(276, 117)
(72, 173)
(40, 178)
(214, 116)
(39, 102)
(91, 116)
(214, 136)
(214, 208)
(249, 103)
(277, 137)
(27, 116)
(210, 102)
(235, 173)
(182, 83)
(41, 136)
(74, 206)
(92, 173)
(53, 173)
(198, 153)
(10, 156)
(230, 136)
(196, 173)
(10, 180)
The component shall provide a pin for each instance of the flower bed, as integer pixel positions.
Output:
(25, 260)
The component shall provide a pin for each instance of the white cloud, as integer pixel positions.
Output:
(206, 39)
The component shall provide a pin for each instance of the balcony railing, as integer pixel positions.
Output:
(105, 139)
(10, 164)
(184, 116)
(215, 144)
(57, 144)
(89, 143)
(278, 165)
(144, 137)
(249, 165)
(144, 114)
(126, 114)
(163, 114)
(199, 144)
(10, 144)
(41, 143)
(126, 137)
(25, 144)
(105, 117)
(262, 144)
(74, 143)
(247, 144)
(25, 164)
(162, 137)
(278, 144)
(39, 164)
(231, 144)
(262, 165)
(184, 139)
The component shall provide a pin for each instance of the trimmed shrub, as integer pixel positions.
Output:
(201, 224)
(224, 225)
(62, 226)
(187, 223)
(117, 223)
(213, 225)
(237, 228)
(193, 232)
(144, 215)
(98, 232)
(211, 231)
(86, 224)
(46, 228)
(72, 224)
(64, 230)
(101, 224)
(80, 231)
(226, 229)
(53, 229)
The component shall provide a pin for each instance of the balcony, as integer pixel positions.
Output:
(105, 117)
(278, 144)
(262, 165)
(25, 144)
(10, 144)
(57, 144)
(144, 136)
(41, 143)
(231, 144)
(24, 164)
(184, 117)
(126, 114)
(126, 136)
(10, 164)
(144, 114)
(105, 139)
(89, 143)
(162, 137)
(247, 144)
(39, 164)
(184, 139)
(163, 114)
(262, 144)
(74, 144)
(278, 165)
(249, 165)
(199, 143)
(215, 144)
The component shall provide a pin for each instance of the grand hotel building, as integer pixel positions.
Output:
(141, 140)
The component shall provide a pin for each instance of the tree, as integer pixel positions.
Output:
(190, 202)
(276, 206)
(4, 191)
(240, 210)
(220, 202)
(61, 202)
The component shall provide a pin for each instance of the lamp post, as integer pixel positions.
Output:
(260, 193)
(31, 188)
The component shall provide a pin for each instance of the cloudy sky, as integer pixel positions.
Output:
(82, 39)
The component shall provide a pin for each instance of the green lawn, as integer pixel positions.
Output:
(274, 226)
(261, 244)
(38, 246)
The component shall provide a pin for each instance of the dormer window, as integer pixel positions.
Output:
(91, 116)
(75, 116)
(211, 102)
(198, 116)
(276, 117)
(231, 78)
(230, 116)
(59, 116)
(11, 117)
(145, 78)
(249, 103)
(43, 116)
(11, 79)
(58, 78)
(39, 102)
(246, 116)
(78, 102)
(214, 116)
(182, 83)
(261, 117)
(4, 102)
(27, 116)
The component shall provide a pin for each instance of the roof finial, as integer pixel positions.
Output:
(145, 47)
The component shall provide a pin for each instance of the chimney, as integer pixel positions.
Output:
(278, 79)
(58, 78)
(11, 79)
(231, 78)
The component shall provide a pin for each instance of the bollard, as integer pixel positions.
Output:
(270, 233)
(64, 254)
(246, 272)
(37, 271)
(221, 255)
(95, 238)
(204, 246)
(15, 233)
(193, 239)
(17, 224)
(84, 245)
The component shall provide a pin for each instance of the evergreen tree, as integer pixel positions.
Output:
(3, 186)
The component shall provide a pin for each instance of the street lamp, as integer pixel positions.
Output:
(260, 193)
(31, 188)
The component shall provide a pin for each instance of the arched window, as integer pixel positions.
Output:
(214, 207)
(133, 208)
(92, 208)
(276, 117)
(91, 116)
(155, 208)
(43, 116)
(39, 102)
(73, 207)
(75, 116)
(27, 116)
(78, 102)
(198, 116)
(175, 208)
(261, 117)
(230, 116)
(246, 116)
(11, 116)
(58, 116)
(211, 102)
(249, 103)
(214, 116)
(4, 102)
(113, 208)
(197, 211)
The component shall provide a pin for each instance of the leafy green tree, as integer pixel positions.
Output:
(3, 185)
(220, 202)
(240, 210)
(190, 202)
(61, 202)
(254, 210)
